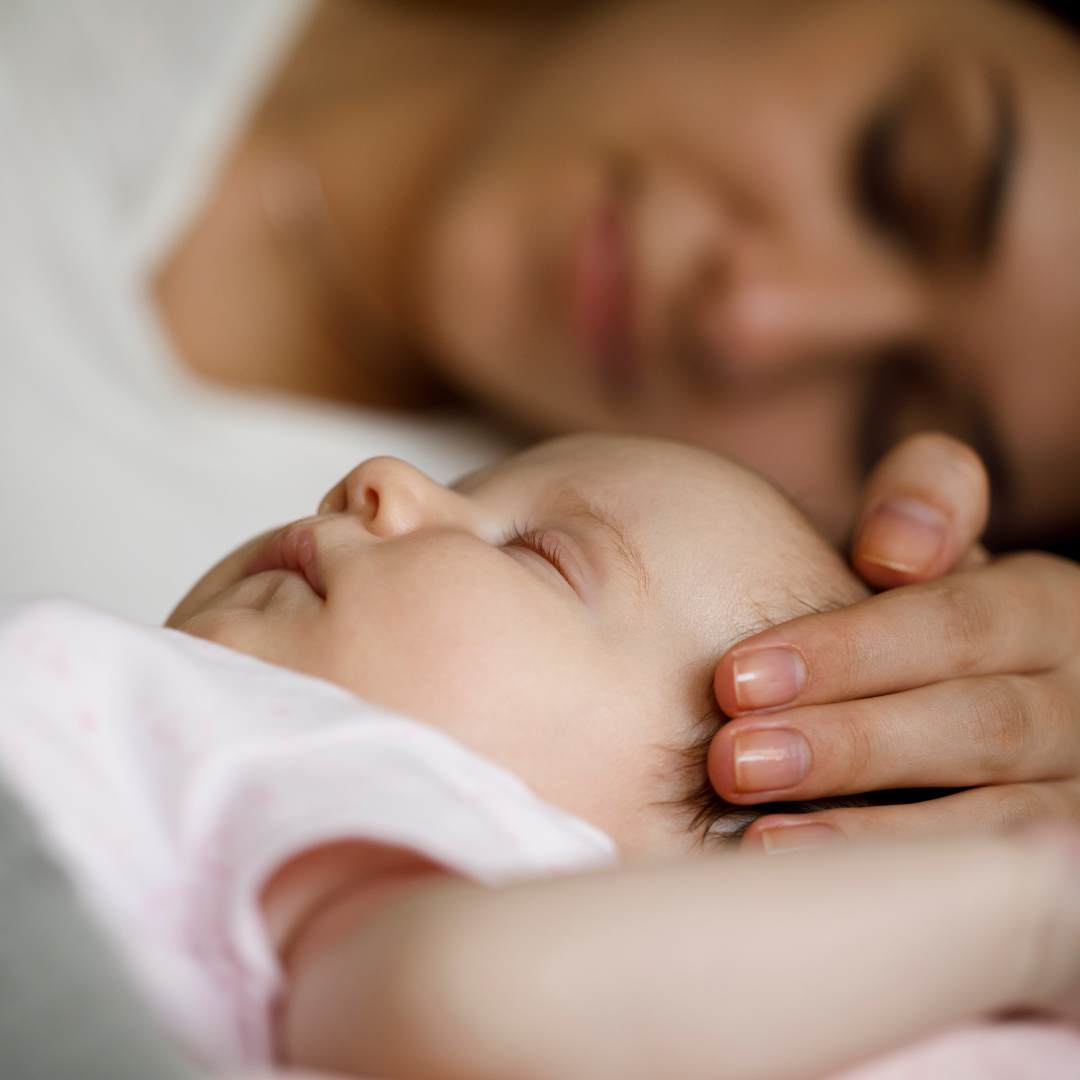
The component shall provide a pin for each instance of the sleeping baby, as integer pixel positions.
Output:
(291, 812)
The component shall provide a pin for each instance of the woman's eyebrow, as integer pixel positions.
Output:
(576, 507)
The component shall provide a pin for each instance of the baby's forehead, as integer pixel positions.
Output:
(635, 476)
(707, 528)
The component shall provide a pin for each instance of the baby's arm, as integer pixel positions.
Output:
(710, 967)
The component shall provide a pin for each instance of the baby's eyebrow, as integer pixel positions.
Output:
(575, 506)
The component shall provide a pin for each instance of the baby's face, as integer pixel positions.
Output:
(560, 613)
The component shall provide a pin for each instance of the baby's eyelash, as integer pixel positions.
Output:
(543, 543)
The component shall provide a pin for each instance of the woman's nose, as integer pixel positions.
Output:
(393, 498)
(762, 321)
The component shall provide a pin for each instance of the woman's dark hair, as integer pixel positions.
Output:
(1064, 10)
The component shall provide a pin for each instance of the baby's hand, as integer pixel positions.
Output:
(969, 680)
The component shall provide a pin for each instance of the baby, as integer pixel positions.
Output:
(556, 618)
(560, 613)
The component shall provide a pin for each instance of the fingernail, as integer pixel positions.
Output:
(766, 678)
(904, 535)
(787, 839)
(770, 760)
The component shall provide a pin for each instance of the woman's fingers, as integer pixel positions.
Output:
(1019, 614)
(923, 510)
(971, 680)
(993, 730)
(985, 809)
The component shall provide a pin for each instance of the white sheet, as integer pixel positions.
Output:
(122, 479)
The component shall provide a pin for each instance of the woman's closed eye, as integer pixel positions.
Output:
(909, 187)
(932, 163)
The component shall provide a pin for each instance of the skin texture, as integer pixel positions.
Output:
(766, 299)
(970, 681)
(771, 296)
(433, 608)
(488, 142)
(616, 974)
(423, 600)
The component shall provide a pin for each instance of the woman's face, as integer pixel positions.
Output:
(788, 229)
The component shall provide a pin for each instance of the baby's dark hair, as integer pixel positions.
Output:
(719, 823)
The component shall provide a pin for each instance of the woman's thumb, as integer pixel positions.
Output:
(923, 512)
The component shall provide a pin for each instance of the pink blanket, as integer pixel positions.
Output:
(1013, 1050)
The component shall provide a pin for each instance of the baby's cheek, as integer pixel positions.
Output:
(529, 705)
(492, 656)
(242, 630)
(480, 681)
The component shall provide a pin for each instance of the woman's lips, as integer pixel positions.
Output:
(292, 548)
(603, 295)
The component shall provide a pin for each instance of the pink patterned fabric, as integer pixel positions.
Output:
(173, 777)
(1013, 1050)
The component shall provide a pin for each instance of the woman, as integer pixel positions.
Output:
(794, 231)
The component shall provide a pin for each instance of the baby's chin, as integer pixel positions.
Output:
(215, 581)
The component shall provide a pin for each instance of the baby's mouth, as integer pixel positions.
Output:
(293, 549)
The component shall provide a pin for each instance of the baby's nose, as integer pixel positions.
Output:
(339, 500)
(392, 498)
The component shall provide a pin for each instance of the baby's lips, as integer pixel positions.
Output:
(292, 548)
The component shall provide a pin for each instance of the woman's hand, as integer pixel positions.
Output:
(970, 680)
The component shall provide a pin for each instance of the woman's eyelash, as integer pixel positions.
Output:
(874, 182)
(542, 543)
